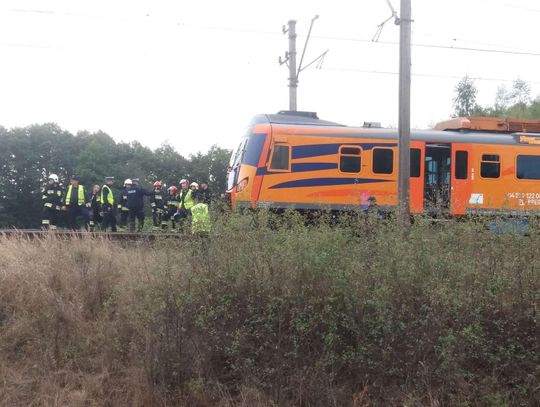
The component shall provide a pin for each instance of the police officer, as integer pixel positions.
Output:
(92, 203)
(185, 202)
(135, 204)
(75, 203)
(122, 204)
(107, 205)
(157, 202)
(171, 205)
(52, 201)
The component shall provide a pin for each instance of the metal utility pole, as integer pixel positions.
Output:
(290, 60)
(404, 128)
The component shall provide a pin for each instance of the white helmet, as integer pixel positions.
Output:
(54, 177)
(194, 184)
(183, 180)
(127, 182)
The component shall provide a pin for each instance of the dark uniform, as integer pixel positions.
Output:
(75, 202)
(122, 207)
(205, 195)
(52, 201)
(107, 207)
(135, 204)
(171, 206)
(157, 202)
(93, 205)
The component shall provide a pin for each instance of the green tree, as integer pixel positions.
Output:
(465, 99)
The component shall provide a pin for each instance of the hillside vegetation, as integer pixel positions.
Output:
(275, 313)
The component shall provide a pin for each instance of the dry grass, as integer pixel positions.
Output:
(288, 315)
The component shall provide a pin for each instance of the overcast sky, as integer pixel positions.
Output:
(193, 73)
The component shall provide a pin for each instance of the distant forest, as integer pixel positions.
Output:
(29, 154)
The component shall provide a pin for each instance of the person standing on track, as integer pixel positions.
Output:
(122, 205)
(92, 203)
(52, 201)
(135, 204)
(171, 205)
(157, 202)
(75, 204)
(107, 205)
(185, 202)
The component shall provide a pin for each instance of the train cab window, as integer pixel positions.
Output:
(461, 169)
(383, 161)
(350, 159)
(280, 159)
(528, 167)
(415, 162)
(490, 166)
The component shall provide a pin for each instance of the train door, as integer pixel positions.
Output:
(416, 182)
(460, 190)
(437, 166)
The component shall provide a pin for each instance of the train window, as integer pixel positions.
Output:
(490, 166)
(461, 167)
(350, 159)
(280, 158)
(383, 161)
(528, 167)
(415, 162)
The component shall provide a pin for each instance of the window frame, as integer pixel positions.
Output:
(467, 165)
(490, 162)
(516, 171)
(273, 149)
(419, 162)
(383, 174)
(359, 155)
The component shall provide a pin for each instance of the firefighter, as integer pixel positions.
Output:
(185, 202)
(205, 193)
(93, 205)
(52, 201)
(122, 205)
(135, 204)
(157, 202)
(106, 200)
(75, 203)
(171, 205)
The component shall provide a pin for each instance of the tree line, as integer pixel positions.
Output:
(29, 154)
(515, 102)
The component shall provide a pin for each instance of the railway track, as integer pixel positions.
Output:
(69, 234)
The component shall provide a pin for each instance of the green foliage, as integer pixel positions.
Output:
(465, 99)
(28, 155)
(310, 314)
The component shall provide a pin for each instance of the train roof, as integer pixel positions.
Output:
(307, 120)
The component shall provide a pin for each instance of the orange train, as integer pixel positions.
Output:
(466, 165)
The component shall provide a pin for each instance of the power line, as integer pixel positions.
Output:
(253, 31)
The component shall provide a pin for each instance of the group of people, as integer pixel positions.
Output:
(178, 207)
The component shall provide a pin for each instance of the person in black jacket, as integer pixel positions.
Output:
(135, 204)
(204, 193)
(52, 197)
(92, 203)
(122, 205)
(157, 202)
(171, 206)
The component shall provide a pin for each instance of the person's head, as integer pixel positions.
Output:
(96, 188)
(109, 181)
(184, 184)
(172, 190)
(74, 181)
(134, 182)
(53, 179)
(127, 183)
(194, 186)
(204, 185)
(157, 186)
(372, 201)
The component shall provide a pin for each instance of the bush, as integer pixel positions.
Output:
(274, 311)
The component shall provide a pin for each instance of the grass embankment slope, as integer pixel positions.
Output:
(276, 314)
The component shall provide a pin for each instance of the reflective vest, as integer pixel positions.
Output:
(200, 219)
(80, 195)
(186, 201)
(110, 197)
